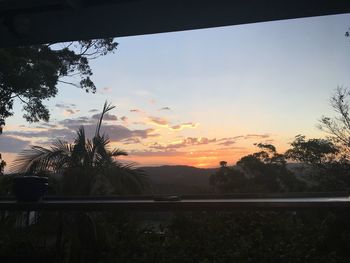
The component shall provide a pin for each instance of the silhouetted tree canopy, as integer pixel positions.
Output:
(2, 165)
(261, 172)
(312, 151)
(323, 165)
(338, 127)
(30, 74)
(2, 162)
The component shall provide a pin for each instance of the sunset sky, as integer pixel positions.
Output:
(198, 97)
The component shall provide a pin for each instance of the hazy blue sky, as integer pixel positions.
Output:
(228, 87)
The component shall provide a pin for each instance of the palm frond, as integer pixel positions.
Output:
(127, 179)
(37, 158)
(118, 152)
(79, 149)
(106, 108)
(88, 165)
(100, 150)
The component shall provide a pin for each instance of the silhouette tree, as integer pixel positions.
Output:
(228, 180)
(223, 164)
(2, 165)
(338, 127)
(261, 172)
(2, 162)
(312, 151)
(31, 73)
(87, 166)
(322, 163)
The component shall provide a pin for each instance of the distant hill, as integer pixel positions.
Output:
(179, 179)
(182, 179)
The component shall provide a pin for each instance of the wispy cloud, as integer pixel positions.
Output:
(68, 108)
(150, 153)
(158, 121)
(139, 123)
(44, 125)
(227, 143)
(115, 132)
(106, 89)
(66, 130)
(142, 92)
(11, 144)
(257, 136)
(182, 126)
(68, 112)
(106, 117)
(125, 120)
(189, 141)
(135, 110)
(76, 122)
(62, 105)
(164, 108)
(52, 134)
(132, 140)
(65, 105)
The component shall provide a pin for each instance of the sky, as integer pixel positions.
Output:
(202, 96)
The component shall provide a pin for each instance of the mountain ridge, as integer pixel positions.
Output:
(178, 179)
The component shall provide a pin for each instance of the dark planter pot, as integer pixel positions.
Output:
(29, 188)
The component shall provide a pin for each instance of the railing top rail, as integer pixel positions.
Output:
(175, 203)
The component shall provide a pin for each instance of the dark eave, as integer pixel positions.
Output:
(25, 22)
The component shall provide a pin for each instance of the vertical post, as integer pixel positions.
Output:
(59, 238)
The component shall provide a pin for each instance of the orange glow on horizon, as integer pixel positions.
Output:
(203, 159)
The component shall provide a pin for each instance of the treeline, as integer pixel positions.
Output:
(319, 166)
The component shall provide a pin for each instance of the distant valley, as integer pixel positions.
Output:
(179, 179)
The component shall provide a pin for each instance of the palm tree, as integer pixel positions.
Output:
(87, 166)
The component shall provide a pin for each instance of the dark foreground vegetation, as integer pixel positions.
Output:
(193, 237)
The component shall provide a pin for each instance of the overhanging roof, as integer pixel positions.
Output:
(44, 21)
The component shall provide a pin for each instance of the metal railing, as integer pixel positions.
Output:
(290, 201)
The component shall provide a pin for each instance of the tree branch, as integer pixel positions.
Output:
(69, 83)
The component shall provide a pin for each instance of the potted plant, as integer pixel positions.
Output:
(29, 188)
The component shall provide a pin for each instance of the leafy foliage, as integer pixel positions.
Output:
(338, 127)
(31, 73)
(254, 236)
(323, 165)
(312, 151)
(261, 172)
(2, 165)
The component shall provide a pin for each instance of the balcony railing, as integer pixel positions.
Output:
(294, 201)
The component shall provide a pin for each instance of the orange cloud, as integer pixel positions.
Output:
(158, 121)
(189, 141)
(180, 127)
